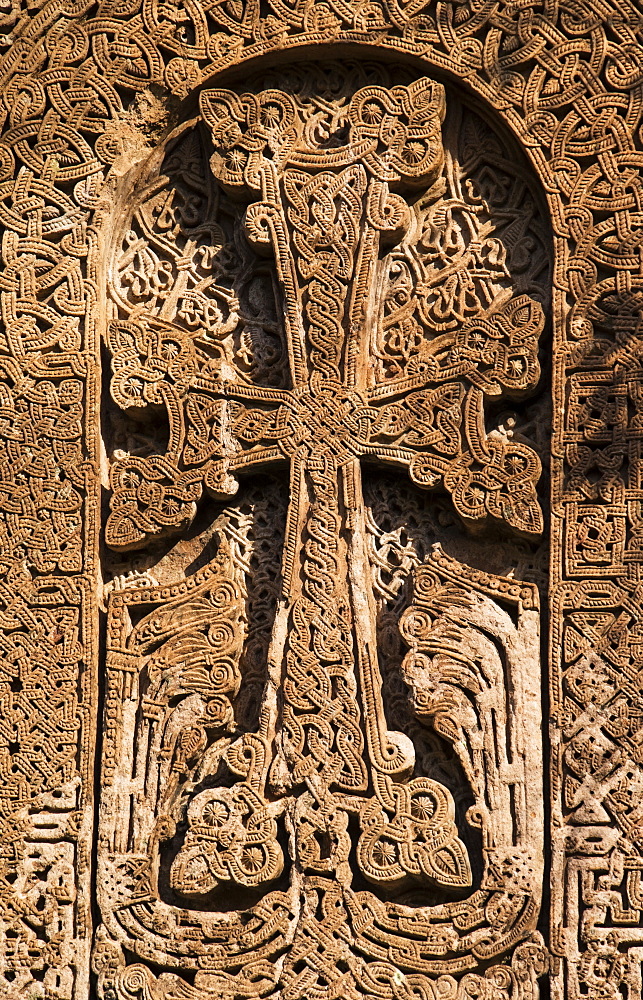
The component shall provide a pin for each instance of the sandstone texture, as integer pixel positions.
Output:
(321, 500)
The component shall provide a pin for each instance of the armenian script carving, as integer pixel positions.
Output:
(263, 826)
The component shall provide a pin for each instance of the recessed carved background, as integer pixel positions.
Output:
(322, 752)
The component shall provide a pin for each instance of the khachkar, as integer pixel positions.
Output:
(114, 225)
(303, 848)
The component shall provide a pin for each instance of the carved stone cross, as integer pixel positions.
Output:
(198, 816)
(324, 204)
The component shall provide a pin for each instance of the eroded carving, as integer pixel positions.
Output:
(311, 852)
(85, 87)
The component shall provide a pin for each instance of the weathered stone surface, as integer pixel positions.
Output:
(356, 498)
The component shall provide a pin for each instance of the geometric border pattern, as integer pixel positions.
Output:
(85, 86)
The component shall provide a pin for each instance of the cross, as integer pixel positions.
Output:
(324, 208)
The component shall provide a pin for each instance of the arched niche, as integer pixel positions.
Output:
(368, 531)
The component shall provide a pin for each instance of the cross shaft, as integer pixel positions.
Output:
(323, 214)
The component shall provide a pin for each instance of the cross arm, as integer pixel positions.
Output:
(496, 353)
(218, 435)
(439, 436)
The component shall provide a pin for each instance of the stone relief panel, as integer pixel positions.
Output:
(87, 90)
(327, 324)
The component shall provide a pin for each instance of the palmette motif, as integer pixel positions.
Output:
(293, 849)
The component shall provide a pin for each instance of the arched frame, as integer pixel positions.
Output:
(89, 89)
